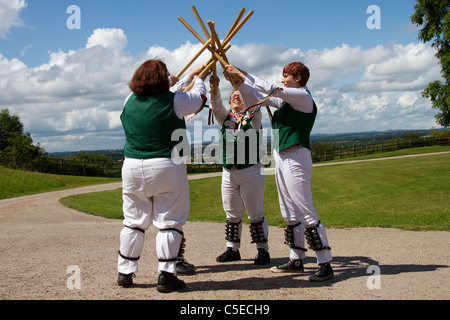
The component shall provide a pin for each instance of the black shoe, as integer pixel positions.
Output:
(125, 280)
(294, 266)
(263, 257)
(324, 273)
(185, 268)
(168, 282)
(229, 255)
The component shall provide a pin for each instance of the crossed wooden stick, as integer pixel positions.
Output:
(213, 43)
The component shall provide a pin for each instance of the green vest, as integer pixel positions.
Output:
(292, 127)
(239, 148)
(148, 122)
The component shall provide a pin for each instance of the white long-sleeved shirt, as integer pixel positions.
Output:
(186, 103)
(221, 112)
(298, 98)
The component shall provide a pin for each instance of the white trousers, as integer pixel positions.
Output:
(293, 170)
(244, 190)
(154, 191)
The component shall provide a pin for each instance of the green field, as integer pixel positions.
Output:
(15, 183)
(407, 193)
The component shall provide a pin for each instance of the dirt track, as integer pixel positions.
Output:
(41, 239)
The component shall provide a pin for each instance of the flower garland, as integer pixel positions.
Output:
(237, 121)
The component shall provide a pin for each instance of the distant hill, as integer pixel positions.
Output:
(367, 137)
(115, 154)
(345, 139)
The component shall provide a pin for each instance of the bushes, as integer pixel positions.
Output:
(323, 151)
(96, 165)
(61, 166)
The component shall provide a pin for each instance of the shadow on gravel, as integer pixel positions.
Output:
(345, 268)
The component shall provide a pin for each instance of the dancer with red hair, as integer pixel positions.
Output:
(292, 123)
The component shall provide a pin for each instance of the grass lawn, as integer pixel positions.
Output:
(14, 183)
(408, 193)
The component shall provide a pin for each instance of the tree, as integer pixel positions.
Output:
(434, 16)
(12, 138)
(91, 158)
(8, 124)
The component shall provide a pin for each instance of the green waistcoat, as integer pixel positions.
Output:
(239, 148)
(148, 122)
(292, 127)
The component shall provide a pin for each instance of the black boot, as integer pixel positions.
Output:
(324, 273)
(185, 268)
(168, 282)
(125, 280)
(229, 255)
(263, 257)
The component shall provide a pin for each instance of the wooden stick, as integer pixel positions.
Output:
(227, 47)
(215, 38)
(214, 67)
(191, 30)
(233, 26)
(233, 30)
(179, 74)
(200, 21)
(189, 87)
(236, 26)
(229, 36)
(208, 66)
(218, 57)
(214, 71)
(233, 33)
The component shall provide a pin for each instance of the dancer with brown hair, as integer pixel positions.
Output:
(154, 179)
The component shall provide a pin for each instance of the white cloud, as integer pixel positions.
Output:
(73, 102)
(108, 38)
(178, 58)
(9, 15)
(342, 112)
(76, 92)
(409, 67)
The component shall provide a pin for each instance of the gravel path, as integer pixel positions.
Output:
(46, 247)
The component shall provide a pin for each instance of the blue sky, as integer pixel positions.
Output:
(300, 24)
(68, 85)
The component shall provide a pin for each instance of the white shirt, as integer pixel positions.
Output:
(298, 98)
(221, 112)
(186, 103)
